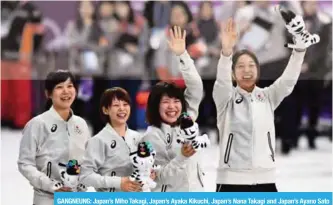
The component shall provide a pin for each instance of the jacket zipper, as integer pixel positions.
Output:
(228, 148)
(67, 130)
(270, 146)
(113, 173)
(253, 132)
(49, 169)
(199, 177)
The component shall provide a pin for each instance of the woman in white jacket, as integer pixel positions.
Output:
(180, 164)
(107, 165)
(53, 137)
(245, 114)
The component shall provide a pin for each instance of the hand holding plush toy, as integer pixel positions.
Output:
(296, 27)
(70, 177)
(189, 132)
(143, 164)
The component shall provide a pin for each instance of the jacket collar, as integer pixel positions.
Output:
(244, 92)
(109, 128)
(56, 115)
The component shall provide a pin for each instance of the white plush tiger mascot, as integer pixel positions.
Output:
(70, 177)
(143, 165)
(296, 27)
(189, 132)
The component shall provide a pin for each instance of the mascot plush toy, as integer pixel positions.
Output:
(189, 132)
(143, 164)
(70, 177)
(296, 27)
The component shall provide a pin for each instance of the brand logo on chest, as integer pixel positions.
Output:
(239, 99)
(54, 128)
(113, 144)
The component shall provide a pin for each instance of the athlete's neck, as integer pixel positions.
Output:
(120, 129)
(248, 89)
(64, 113)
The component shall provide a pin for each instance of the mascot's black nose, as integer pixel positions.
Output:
(287, 15)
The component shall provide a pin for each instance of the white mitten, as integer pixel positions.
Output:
(304, 40)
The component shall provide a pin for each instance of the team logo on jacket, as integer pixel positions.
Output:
(239, 100)
(260, 97)
(54, 128)
(77, 129)
(113, 144)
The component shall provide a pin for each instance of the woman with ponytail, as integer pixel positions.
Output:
(53, 137)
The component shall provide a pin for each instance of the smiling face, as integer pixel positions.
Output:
(63, 95)
(115, 106)
(246, 72)
(170, 109)
(118, 112)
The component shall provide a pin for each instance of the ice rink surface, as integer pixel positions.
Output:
(301, 171)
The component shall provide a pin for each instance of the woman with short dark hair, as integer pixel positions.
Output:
(180, 164)
(107, 165)
(53, 137)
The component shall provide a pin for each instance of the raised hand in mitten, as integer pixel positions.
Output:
(296, 27)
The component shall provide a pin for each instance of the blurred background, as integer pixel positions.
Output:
(123, 43)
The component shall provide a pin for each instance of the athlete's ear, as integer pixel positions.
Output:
(105, 111)
(47, 95)
(233, 76)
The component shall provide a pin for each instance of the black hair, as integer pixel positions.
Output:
(53, 79)
(161, 89)
(108, 96)
(239, 53)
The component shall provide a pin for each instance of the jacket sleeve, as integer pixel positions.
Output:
(223, 88)
(194, 86)
(284, 85)
(27, 157)
(171, 170)
(93, 159)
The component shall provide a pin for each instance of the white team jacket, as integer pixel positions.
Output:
(246, 124)
(178, 173)
(107, 159)
(48, 140)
